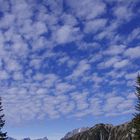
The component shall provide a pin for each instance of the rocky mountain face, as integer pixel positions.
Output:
(104, 132)
(73, 132)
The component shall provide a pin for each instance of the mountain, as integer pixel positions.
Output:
(45, 138)
(10, 138)
(26, 139)
(75, 131)
(104, 132)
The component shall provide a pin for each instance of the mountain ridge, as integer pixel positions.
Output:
(73, 132)
(104, 132)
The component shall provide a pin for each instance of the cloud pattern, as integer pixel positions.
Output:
(67, 58)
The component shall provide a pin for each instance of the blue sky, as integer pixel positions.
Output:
(65, 64)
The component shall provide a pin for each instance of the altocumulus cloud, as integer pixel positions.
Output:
(67, 54)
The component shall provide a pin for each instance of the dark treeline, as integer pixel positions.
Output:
(136, 120)
(2, 122)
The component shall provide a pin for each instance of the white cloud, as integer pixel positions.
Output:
(135, 34)
(39, 28)
(4, 75)
(63, 34)
(18, 76)
(115, 50)
(63, 87)
(69, 19)
(96, 108)
(112, 103)
(12, 65)
(90, 8)
(50, 80)
(69, 107)
(95, 25)
(125, 105)
(96, 78)
(81, 100)
(108, 63)
(131, 96)
(131, 76)
(133, 52)
(122, 12)
(66, 34)
(39, 77)
(121, 63)
(82, 45)
(7, 20)
(82, 67)
(35, 63)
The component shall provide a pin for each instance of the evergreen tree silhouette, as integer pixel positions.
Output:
(2, 122)
(136, 120)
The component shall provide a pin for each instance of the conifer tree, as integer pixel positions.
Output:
(2, 122)
(136, 120)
